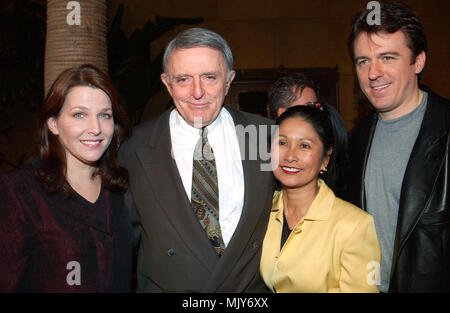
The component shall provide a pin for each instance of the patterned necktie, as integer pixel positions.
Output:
(205, 191)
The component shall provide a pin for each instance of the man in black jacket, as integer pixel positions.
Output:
(399, 156)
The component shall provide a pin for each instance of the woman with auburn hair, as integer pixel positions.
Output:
(63, 224)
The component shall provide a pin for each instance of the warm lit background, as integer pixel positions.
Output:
(266, 34)
(263, 35)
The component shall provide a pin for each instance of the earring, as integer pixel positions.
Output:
(323, 172)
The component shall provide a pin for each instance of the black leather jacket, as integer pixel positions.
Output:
(421, 258)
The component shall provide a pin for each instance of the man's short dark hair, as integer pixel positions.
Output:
(283, 91)
(393, 17)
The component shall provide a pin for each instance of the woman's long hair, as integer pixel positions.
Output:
(52, 169)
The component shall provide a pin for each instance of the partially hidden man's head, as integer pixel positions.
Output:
(198, 71)
(291, 90)
(390, 56)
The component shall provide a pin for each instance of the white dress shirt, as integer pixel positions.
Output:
(223, 140)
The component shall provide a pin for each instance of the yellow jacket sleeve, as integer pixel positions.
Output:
(360, 259)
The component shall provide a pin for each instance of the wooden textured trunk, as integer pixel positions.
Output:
(70, 45)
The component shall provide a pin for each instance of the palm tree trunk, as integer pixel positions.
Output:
(70, 45)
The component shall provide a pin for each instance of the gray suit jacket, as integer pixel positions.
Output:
(174, 253)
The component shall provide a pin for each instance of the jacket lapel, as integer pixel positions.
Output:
(358, 163)
(162, 173)
(250, 213)
(370, 133)
(252, 170)
(421, 172)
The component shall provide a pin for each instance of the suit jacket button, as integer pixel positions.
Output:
(170, 252)
(255, 245)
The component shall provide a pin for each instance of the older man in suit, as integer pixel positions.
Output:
(202, 196)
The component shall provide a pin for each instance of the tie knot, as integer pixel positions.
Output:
(204, 136)
(203, 132)
(203, 150)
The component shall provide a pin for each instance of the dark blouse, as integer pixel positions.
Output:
(285, 232)
(52, 244)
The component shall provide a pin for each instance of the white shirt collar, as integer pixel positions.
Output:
(181, 123)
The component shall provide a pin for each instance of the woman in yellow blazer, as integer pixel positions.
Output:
(315, 242)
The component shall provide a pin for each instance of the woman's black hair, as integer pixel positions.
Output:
(327, 122)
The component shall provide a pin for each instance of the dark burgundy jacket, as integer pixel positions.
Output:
(40, 235)
(421, 258)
